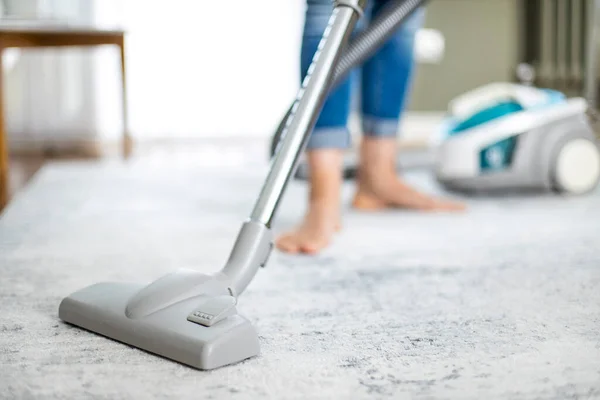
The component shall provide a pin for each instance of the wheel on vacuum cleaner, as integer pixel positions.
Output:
(576, 166)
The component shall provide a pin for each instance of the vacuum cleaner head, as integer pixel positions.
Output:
(514, 138)
(185, 316)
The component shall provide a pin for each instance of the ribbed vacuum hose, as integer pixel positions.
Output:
(394, 13)
(368, 41)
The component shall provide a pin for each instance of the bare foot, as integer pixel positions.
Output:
(313, 234)
(322, 219)
(397, 194)
(380, 187)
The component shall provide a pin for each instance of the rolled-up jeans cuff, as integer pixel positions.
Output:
(329, 138)
(379, 127)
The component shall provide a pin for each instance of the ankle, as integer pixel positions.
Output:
(324, 205)
(325, 166)
(326, 212)
(377, 160)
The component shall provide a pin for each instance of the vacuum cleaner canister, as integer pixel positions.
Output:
(513, 138)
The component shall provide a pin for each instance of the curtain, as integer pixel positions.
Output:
(49, 96)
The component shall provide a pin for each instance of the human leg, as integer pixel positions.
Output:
(386, 84)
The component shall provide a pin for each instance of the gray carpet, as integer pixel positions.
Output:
(501, 302)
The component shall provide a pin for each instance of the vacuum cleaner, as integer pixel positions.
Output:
(506, 137)
(190, 317)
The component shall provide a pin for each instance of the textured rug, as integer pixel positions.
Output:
(500, 302)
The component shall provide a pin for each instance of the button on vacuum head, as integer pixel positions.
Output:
(213, 310)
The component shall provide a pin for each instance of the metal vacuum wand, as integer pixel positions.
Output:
(254, 242)
(307, 106)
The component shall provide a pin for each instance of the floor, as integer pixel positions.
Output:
(23, 167)
(500, 302)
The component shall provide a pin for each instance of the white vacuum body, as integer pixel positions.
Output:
(506, 137)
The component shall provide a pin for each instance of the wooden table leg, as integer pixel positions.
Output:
(3, 143)
(127, 140)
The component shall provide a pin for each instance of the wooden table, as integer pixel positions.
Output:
(54, 36)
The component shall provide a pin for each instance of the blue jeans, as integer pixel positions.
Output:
(383, 80)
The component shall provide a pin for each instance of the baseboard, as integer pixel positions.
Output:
(57, 147)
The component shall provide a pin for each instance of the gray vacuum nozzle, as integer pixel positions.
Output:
(186, 315)
(202, 331)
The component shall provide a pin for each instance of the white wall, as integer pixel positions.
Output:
(200, 68)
